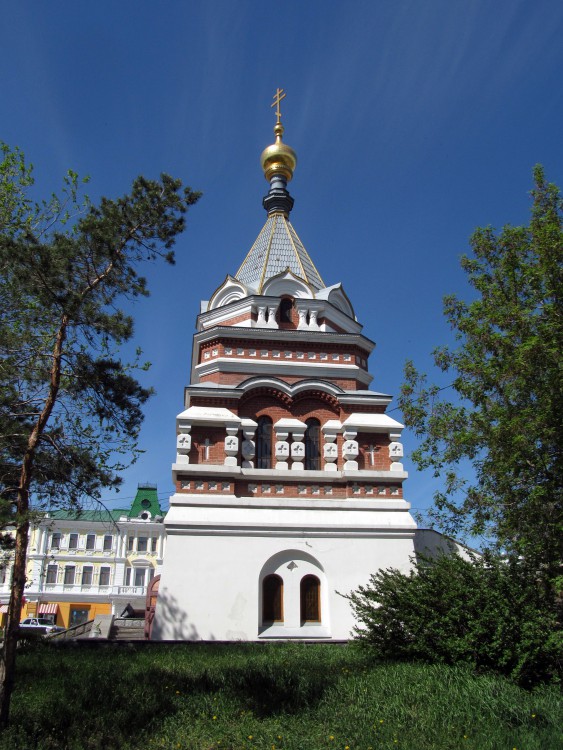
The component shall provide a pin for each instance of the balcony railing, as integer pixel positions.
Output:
(88, 589)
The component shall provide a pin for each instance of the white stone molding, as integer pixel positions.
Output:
(231, 290)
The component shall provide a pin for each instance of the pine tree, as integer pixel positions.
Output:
(70, 409)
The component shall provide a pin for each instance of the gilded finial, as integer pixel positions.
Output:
(278, 159)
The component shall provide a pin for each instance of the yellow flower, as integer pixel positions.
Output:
(249, 736)
(214, 718)
(331, 737)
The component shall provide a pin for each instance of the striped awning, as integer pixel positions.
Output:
(48, 609)
(3, 609)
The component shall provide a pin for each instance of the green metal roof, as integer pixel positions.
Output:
(145, 500)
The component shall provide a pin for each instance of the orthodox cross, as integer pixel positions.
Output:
(206, 446)
(278, 96)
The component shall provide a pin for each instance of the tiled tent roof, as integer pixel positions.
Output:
(277, 248)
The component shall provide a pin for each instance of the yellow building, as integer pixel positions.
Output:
(85, 563)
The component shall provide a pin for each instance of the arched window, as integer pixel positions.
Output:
(272, 599)
(310, 599)
(264, 443)
(286, 306)
(312, 444)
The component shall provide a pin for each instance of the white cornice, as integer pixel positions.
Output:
(293, 336)
(304, 368)
(287, 503)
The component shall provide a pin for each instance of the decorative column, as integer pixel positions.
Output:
(272, 310)
(183, 444)
(248, 444)
(282, 447)
(231, 445)
(261, 319)
(330, 430)
(350, 450)
(302, 312)
(396, 452)
(298, 449)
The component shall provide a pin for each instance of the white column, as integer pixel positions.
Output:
(231, 446)
(298, 450)
(330, 430)
(350, 450)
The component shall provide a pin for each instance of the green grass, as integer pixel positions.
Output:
(261, 697)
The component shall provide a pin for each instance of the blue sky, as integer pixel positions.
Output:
(414, 121)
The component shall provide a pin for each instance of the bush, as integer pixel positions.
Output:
(488, 612)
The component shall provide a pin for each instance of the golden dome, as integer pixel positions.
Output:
(278, 158)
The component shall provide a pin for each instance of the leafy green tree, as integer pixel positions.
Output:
(70, 409)
(505, 419)
(486, 612)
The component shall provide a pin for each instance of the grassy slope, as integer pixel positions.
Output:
(282, 697)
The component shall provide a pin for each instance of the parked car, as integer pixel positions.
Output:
(40, 625)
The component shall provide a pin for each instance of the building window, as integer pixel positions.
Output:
(140, 574)
(130, 540)
(142, 544)
(108, 542)
(312, 445)
(73, 541)
(2, 575)
(272, 599)
(69, 574)
(154, 542)
(104, 576)
(91, 541)
(51, 576)
(286, 306)
(56, 540)
(264, 443)
(310, 599)
(87, 572)
(78, 616)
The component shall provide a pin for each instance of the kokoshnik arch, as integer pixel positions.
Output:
(288, 473)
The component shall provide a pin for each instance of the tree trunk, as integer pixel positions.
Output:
(8, 654)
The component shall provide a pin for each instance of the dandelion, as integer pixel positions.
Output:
(331, 737)
(249, 736)
(381, 721)
(214, 718)
(533, 716)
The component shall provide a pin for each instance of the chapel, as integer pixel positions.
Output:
(288, 474)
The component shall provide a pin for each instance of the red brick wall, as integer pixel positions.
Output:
(380, 454)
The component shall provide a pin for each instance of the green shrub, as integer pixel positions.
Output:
(488, 612)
